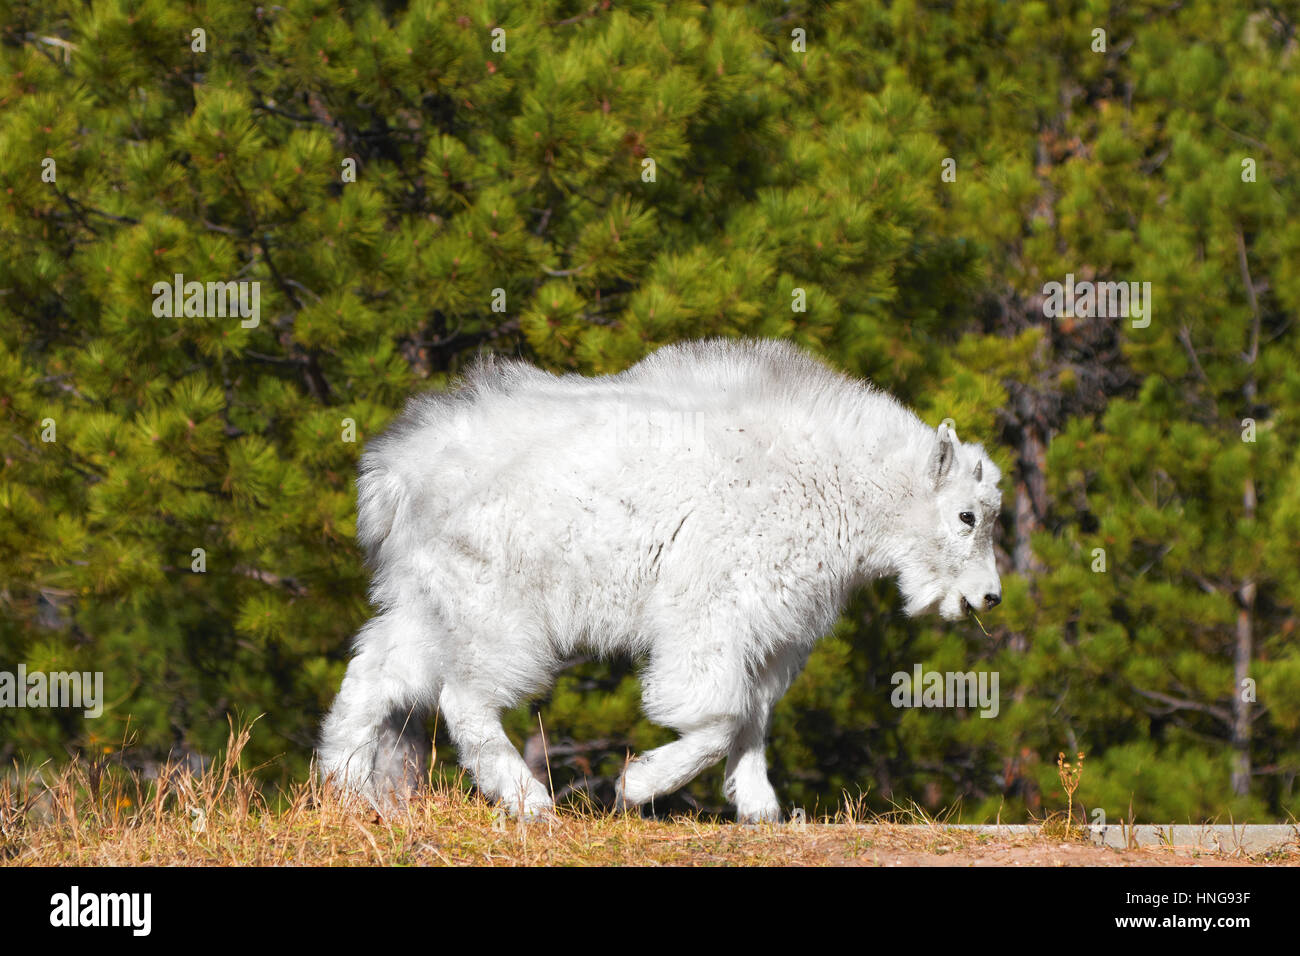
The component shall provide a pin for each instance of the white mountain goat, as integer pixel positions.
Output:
(711, 508)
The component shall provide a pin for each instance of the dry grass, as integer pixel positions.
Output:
(99, 814)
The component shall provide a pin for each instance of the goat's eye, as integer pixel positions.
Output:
(967, 518)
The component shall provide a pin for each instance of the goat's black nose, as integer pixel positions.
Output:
(991, 601)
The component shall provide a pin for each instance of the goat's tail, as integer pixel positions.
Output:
(381, 496)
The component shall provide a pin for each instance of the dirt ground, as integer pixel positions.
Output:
(894, 850)
(221, 818)
(888, 845)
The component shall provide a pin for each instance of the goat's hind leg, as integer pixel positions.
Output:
(374, 740)
(474, 722)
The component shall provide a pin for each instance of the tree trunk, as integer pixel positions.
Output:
(1243, 651)
(1244, 647)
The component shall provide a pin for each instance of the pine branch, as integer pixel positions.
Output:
(1177, 703)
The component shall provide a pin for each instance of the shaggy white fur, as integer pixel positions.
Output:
(711, 508)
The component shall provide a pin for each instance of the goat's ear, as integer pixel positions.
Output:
(979, 471)
(945, 452)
